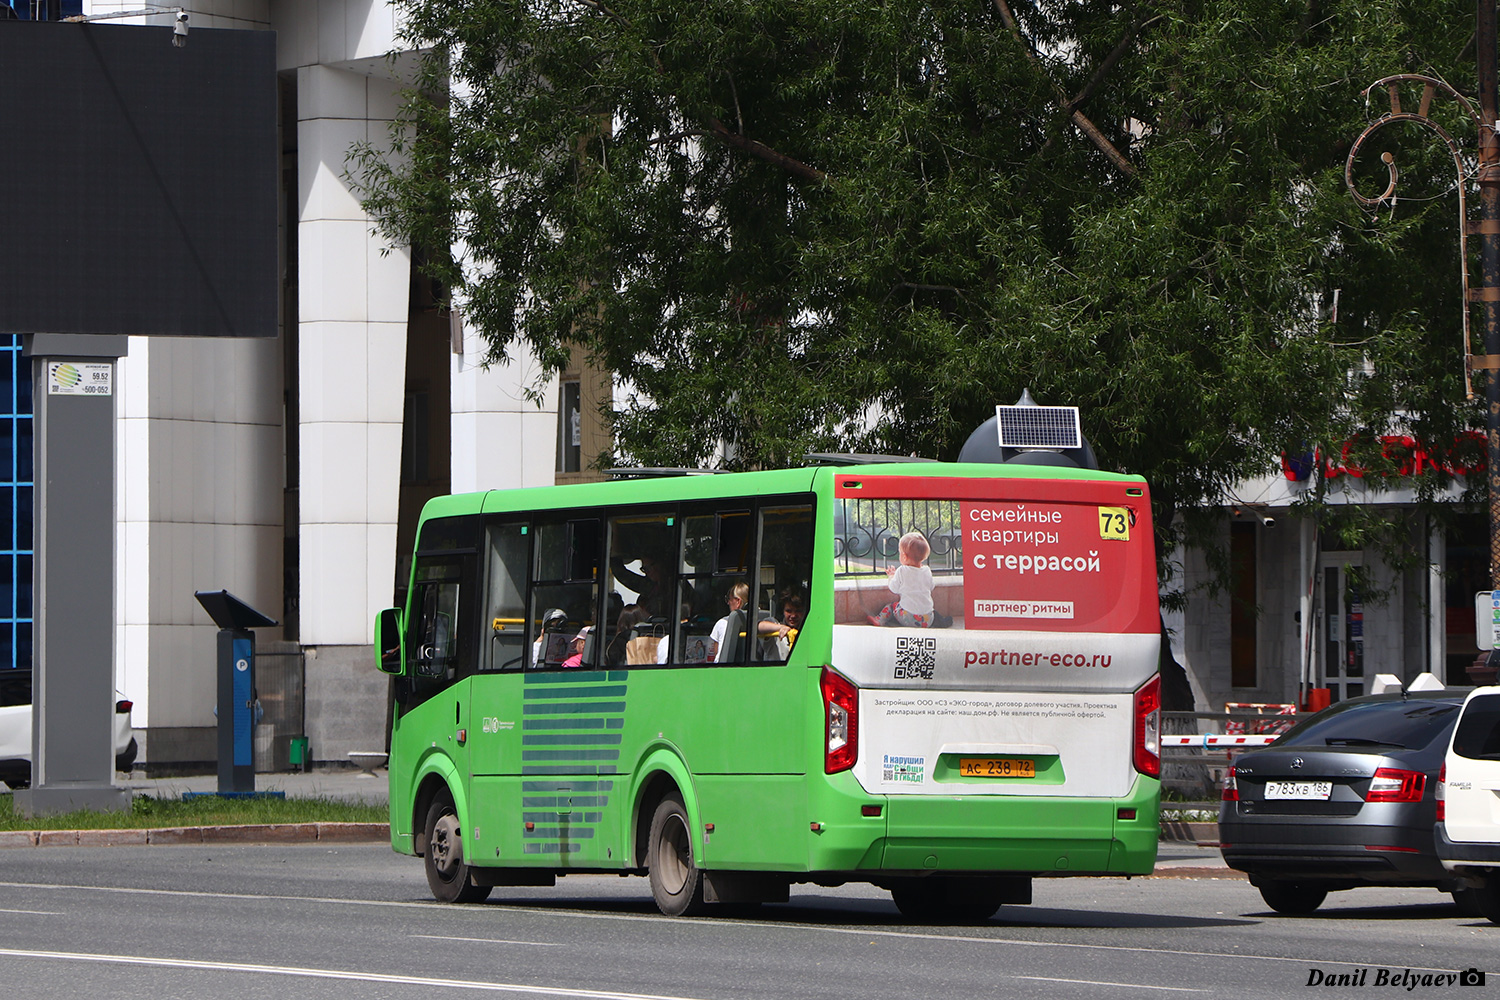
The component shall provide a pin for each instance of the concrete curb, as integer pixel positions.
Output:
(262, 833)
(1198, 871)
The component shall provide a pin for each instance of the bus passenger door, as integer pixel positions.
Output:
(434, 712)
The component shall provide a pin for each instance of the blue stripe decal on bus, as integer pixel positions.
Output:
(577, 716)
(598, 691)
(573, 739)
(574, 707)
(566, 755)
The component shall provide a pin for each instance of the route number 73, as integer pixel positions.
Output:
(1114, 523)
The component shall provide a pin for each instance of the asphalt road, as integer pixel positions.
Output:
(356, 921)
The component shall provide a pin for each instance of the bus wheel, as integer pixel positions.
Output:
(936, 899)
(447, 873)
(676, 883)
(1296, 899)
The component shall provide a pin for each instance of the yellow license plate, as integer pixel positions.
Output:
(996, 767)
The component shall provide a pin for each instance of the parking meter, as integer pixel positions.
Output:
(236, 696)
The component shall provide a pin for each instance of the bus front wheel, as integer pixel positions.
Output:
(676, 882)
(447, 871)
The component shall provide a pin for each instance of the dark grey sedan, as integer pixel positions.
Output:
(1343, 799)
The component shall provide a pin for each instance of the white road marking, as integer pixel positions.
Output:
(1096, 982)
(360, 977)
(450, 937)
(799, 928)
(34, 913)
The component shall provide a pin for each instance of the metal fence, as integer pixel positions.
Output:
(280, 684)
(1196, 774)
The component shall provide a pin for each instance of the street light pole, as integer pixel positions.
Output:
(1486, 228)
(1488, 292)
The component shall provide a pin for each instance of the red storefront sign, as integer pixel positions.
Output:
(1409, 456)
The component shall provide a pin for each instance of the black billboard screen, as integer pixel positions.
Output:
(137, 181)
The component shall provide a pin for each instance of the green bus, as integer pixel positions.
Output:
(938, 678)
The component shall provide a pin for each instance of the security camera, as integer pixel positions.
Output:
(179, 30)
(1267, 520)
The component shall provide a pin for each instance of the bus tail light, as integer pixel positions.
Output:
(1231, 787)
(1392, 784)
(1441, 794)
(1148, 728)
(841, 722)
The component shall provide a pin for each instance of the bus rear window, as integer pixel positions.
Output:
(1056, 563)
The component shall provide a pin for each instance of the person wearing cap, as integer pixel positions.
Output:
(550, 622)
(579, 641)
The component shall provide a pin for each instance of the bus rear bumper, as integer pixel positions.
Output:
(1037, 835)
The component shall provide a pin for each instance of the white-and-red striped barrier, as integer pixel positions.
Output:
(1212, 740)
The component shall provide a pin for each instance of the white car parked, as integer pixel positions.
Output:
(1468, 828)
(15, 729)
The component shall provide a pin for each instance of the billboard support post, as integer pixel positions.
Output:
(72, 708)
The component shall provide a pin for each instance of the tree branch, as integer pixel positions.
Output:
(717, 128)
(1085, 126)
(1115, 55)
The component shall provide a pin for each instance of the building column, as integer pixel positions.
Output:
(352, 321)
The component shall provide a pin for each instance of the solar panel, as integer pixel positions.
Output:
(1039, 426)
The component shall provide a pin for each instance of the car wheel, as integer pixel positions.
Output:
(1487, 897)
(676, 882)
(447, 871)
(1292, 897)
(1467, 901)
(125, 759)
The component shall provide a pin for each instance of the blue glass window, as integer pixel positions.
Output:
(15, 505)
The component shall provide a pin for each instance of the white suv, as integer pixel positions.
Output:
(1468, 827)
(15, 729)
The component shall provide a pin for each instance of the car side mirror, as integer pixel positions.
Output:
(390, 650)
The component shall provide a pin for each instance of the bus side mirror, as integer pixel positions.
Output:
(390, 650)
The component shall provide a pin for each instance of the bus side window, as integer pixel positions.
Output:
(565, 593)
(784, 567)
(702, 590)
(642, 553)
(506, 554)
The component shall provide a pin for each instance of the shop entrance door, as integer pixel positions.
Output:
(1341, 626)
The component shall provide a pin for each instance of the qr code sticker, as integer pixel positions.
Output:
(916, 657)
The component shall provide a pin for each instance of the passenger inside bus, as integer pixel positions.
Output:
(725, 641)
(580, 644)
(631, 616)
(551, 639)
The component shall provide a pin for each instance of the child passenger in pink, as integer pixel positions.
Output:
(911, 582)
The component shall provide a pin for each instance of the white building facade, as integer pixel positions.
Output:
(276, 469)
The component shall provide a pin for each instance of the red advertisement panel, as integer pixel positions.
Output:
(1055, 566)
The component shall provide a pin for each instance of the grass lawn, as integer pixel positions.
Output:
(147, 813)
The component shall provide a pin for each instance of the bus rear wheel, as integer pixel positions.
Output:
(938, 899)
(447, 871)
(676, 882)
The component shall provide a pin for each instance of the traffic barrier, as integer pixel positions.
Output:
(1213, 740)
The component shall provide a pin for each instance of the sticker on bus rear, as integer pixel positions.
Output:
(898, 769)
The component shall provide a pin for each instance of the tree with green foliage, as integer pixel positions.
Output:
(795, 225)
